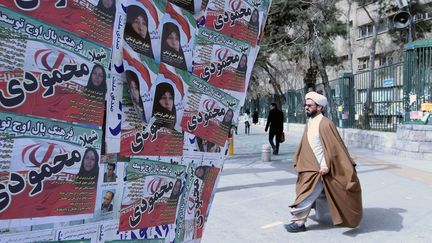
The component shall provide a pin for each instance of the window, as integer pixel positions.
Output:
(365, 30)
(419, 16)
(385, 60)
(363, 63)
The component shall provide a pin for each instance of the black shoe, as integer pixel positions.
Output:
(275, 152)
(295, 228)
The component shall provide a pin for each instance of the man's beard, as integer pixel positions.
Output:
(312, 113)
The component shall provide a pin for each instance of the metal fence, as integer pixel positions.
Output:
(417, 77)
(349, 95)
(397, 94)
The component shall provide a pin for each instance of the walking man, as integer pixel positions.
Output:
(247, 122)
(327, 178)
(275, 121)
(255, 117)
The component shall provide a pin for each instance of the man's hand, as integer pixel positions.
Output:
(323, 171)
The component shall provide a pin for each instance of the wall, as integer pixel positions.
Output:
(410, 141)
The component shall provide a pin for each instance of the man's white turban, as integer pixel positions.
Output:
(319, 99)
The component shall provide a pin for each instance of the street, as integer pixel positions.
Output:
(252, 197)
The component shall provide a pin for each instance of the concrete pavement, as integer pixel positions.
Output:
(252, 197)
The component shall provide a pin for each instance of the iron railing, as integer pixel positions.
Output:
(397, 93)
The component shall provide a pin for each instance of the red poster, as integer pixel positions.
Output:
(86, 18)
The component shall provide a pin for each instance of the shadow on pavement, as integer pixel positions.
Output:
(379, 219)
(374, 219)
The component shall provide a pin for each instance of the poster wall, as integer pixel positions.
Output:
(243, 19)
(223, 61)
(115, 114)
(51, 169)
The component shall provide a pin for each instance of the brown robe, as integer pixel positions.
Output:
(341, 184)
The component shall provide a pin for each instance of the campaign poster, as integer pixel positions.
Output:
(79, 233)
(91, 19)
(28, 237)
(178, 33)
(141, 32)
(151, 194)
(53, 168)
(115, 89)
(224, 62)
(156, 136)
(114, 110)
(47, 72)
(191, 151)
(107, 231)
(164, 233)
(193, 6)
(168, 92)
(209, 113)
(138, 241)
(241, 19)
(196, 150)
(110, 189)
(141, 72)
(195, 201)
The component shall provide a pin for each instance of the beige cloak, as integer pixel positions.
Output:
(341, 184)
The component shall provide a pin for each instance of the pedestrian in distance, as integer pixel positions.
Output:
(327, 179)
(247, 121)
(255, 117)
(275, 122)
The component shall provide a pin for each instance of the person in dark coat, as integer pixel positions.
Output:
(255, 117)
(275, 121)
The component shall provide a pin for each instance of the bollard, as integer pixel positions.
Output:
(265, 153)
(231, 146)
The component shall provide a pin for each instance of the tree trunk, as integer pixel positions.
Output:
(274, 83)
(368, 106)
(327, 89)
(349, 47)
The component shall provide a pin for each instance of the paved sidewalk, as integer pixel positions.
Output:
(252, 197)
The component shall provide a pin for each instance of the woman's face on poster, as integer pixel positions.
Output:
(199, 172)
(89, 160)
(134, 91)
(167, 101)
(107, 3)
(254, 16)
(176, 188)
(243, 61)
(139, 25)
(228, 116)
(97, 76)
(173, 41)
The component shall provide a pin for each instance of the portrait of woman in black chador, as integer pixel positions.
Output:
(136, 32)
(97, 81)
(164, 109)
(171, 50)
(134, 91)
(254, 19)
(89, 169)
(242, 66)
(107, 9)
(189, 5)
